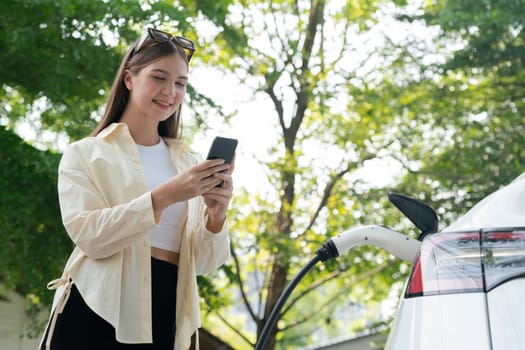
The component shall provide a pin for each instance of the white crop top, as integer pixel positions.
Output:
(156, 162)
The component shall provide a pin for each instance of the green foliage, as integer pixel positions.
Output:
(33, 243)
(474, 118)
(491, 29)
(66, 53)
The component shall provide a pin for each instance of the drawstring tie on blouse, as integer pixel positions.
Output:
(67, 283)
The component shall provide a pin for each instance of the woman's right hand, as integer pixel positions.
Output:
(190, 183)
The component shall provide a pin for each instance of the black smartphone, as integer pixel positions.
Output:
(223, 148)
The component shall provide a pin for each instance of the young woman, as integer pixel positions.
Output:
(144, 214)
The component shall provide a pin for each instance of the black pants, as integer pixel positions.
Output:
(78, 327)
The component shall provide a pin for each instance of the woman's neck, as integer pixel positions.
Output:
(144, 133)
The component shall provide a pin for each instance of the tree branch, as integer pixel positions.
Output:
(329, 188)
(233, 328)
(309, 316)
(326, 194)
(241, 285)
(334, 274)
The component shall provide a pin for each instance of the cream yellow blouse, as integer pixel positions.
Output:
(107, 211)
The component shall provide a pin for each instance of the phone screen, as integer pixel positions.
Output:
(223, 148)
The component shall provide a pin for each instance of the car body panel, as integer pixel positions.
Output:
(441, 322)
(503, 208)
(507, 314)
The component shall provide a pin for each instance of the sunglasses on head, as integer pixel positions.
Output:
(158, 35)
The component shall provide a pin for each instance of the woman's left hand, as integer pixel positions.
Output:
(217, 199)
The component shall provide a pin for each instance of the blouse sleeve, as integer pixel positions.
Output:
(98, 228)
(212, 250)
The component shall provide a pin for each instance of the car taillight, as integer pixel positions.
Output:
(459, 262)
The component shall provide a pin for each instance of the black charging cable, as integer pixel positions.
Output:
(327, 251)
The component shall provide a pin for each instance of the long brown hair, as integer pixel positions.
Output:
(150, 51)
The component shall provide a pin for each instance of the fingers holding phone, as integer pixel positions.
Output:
(212, 172)
(201, 179)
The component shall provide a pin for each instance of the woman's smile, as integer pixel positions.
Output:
(163, 104)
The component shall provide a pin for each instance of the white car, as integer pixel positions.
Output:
(467, 285)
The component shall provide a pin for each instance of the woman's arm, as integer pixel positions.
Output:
(99, 228)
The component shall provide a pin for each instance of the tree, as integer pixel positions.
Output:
(476, 106)
(34, 244)
(298, 52)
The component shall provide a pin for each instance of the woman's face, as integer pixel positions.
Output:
(158, 90)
